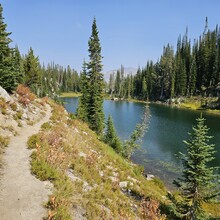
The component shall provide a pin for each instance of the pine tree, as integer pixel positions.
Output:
(117, 83)
(18, 65)
(144, 89)
(111, 137)
(82, 110)
(8, 72)
(96, 83)
(199, 181)
(136, 137)
(32, 71)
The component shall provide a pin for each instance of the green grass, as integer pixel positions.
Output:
(70, 94)
(66, 143)
(197, 102)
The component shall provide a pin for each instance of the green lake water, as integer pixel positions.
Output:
(168, 127)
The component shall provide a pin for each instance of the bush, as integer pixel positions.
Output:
(3, 103)
(42, 170)
(19, 114)
(4, 111)
(4, 141)
(3, 106)
(13, 106)
(32, 141)
(25, 95)
(46, 126)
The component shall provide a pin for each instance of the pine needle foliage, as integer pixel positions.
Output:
(91, 104)
(199, 182)
(111, 136)
(9, 74)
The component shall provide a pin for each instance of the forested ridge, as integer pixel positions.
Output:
(192, 69)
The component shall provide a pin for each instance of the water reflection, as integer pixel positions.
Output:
(164, 139)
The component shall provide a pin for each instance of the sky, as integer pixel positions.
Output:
(131, 32)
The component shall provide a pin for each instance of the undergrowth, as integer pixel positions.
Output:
(88, 175)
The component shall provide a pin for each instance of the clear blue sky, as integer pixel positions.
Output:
(131, 31)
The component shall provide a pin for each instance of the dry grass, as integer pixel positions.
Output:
(87, 173)
(25, 95)
(67, 147)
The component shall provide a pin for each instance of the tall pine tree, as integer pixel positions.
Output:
(32, 71)
(82, 110)
(95, 80)
(8, 73)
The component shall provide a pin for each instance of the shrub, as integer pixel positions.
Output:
(42, 170)
(25, 95)
(3, 103)
(4, 141)
(19, 115)
(32, 141)
(3, 106)
(13, 106)
(4, 111)
(46, 126)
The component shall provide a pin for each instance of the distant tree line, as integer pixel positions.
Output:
(193, 69)
(16, 69)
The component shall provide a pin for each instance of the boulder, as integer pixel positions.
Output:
(5, 95)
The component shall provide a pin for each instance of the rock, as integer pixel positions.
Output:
(78, 212)
(113, 178)
(81, 154)
(70, 174)
(101, 173)
(24, 116)
(150, 176)
(132, 179)
(123, 184)
(5, 95)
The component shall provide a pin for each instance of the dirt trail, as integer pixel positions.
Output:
(21, 194)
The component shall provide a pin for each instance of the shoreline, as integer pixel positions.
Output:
(190, 105)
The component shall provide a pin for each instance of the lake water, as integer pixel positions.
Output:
(168, 127)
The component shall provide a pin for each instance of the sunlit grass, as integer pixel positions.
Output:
(66, 144)
(70, 94)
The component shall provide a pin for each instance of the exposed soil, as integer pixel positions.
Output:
(22, 195)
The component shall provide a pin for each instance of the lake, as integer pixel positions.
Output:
(168, 127)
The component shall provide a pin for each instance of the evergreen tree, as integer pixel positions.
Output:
(199, 181)
(18, 65)
(167, 70)
(117, 83)
(32, 71)
(111, 137)
(8, 72)
(96, 83)
(136, 137)
(111, 85)
(82, 110)
(144, 89)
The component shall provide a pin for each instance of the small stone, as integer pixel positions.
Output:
(123, 184)
(81, 154)
(150, 176)
(101, 173)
